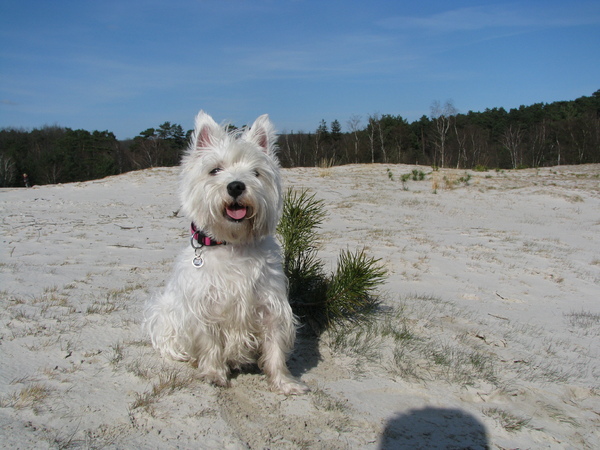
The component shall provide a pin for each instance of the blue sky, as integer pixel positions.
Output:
(125, 66)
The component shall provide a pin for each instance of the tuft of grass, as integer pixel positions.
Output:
(583, 319)
(395, 326)
(325, 165)
(461, 365)
(112, 302)
(361, 340)
(323, 400)
(508, 421)
(168, 382)
(117, 354)
(415, 353)
(559, 415)
(48, 302)
(390, 174)
(28, 397)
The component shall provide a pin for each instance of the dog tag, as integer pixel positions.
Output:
(198, 262)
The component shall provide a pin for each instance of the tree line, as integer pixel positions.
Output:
(53, 154)
(542, 134)
(539, 135)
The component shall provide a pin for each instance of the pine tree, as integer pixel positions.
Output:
(349, 294)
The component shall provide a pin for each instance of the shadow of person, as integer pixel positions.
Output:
(434, 428)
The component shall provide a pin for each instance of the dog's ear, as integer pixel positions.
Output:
(206, 131)
(262, 133)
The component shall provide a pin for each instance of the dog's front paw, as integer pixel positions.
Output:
(216, 377)
(290, 386)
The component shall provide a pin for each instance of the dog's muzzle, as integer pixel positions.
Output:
(236, 211)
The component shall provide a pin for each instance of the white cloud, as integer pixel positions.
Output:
(496, 16)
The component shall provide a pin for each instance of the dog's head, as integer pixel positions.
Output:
(230, 182)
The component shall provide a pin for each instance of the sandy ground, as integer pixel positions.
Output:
(490, 338)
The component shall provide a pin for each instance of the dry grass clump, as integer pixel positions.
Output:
(31, 396)
(587, 321)
(508, 421)
(397, 340)
(169, 381)
(114, 300)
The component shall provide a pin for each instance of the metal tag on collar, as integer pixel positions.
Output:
(198, 261)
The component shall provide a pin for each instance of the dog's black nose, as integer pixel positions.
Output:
(235, 188)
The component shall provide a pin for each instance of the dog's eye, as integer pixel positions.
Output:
(256, 173)
(216, 170)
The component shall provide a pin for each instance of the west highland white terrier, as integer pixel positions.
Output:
(226, 304)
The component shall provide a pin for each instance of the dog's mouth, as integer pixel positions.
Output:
(236, 212)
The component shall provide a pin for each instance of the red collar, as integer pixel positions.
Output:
(202, 239)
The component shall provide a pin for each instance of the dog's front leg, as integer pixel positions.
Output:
(276, 344)
(211, 363)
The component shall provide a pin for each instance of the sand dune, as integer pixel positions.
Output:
(491, 336)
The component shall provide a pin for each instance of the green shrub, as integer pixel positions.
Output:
(321, 300)
(418, 175)
(465, 180)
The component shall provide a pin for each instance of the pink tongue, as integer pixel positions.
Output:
(236, 214)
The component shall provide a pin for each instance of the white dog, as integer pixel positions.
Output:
(226, 304)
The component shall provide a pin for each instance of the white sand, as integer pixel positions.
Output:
(501, 274)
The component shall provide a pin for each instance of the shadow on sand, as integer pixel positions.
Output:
(434, 428)
(306, 354)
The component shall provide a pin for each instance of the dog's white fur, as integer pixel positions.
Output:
(233, 310)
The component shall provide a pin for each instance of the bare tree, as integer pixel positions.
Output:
(295, 148)
(150, 153)
(511, 141)
(371, 128)
(53, 173)
(320, 135)
(461, 139)
(353, 125)
(381, 141)
(7, 170)
(287, 149)
(538, 143)
(442, 116)
(478, 139)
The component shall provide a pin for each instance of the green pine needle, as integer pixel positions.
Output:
(351, 290)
